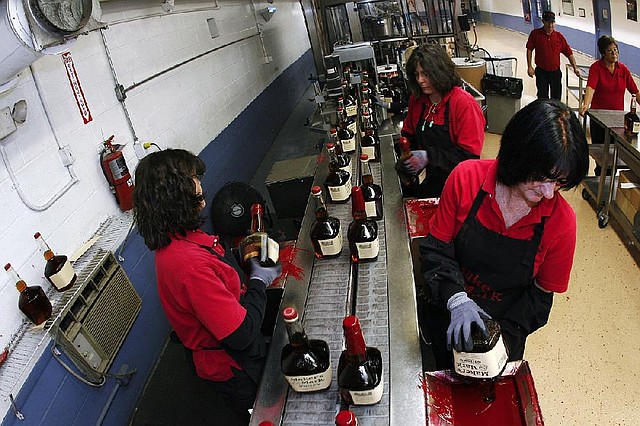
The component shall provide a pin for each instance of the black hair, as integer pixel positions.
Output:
(438, 66)
(604, 42)
(165, 202)
(544, 140)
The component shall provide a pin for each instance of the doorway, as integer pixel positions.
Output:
(602, 21)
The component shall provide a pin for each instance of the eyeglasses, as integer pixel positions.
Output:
(610, 51)
(558, 182)
(198, 176)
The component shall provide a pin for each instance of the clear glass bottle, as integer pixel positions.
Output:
(337, 182)
(257, 243)
(407, 179)
(305, 363)
(362, 233)
(346, 418)
(369, 144)
(325, 232)
(360, 380)
(631, 120)
(343, 160)
(371, 191)
(33, 301)
(58, 269)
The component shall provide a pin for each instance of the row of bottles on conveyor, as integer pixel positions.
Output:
(33, 301)
(362, 235)
(306, 365)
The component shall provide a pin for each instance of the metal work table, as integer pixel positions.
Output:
(627, 148)
(384, 303)
(596, 187)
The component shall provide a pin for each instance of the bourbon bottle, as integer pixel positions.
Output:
(346, 136)
(305, 363)
(371, 191)
(337, 182)
(360, 379)
(58, 269)
(343, 160)
(486, 360)
(369, 143)
(363, 233)
(326, 232)
(346, 418)
(631, 120)
(407, 179)
(257, 243)
(33, 302)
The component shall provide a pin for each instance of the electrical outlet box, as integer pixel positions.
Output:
(7, 126)
(66, 156)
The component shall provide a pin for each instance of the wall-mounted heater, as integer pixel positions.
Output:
(94, 323)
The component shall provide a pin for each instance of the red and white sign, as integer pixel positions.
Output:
(81, 101)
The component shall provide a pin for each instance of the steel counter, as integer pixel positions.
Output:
(384, 303)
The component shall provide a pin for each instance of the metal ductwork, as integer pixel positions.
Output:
(32, 28)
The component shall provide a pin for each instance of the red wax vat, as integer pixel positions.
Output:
(454, 401)
(419, 212)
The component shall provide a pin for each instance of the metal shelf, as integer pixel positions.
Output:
(28, 343)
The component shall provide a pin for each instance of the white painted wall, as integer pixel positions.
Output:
(185, 108)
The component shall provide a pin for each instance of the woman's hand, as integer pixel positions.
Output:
(464, 312)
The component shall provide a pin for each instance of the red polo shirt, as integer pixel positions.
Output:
(609, 88)
(548, 48)
(554, 258)
(200, 295)
(466, 121)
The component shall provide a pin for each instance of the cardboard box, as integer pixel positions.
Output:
(626, 207)
(629, 185)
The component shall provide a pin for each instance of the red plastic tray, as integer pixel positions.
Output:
(419, 212)
(452, 401)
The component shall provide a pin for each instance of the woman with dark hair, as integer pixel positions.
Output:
(444, 123)
(608, 81)
(503, 238)
(215, 310)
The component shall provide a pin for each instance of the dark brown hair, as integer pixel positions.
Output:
(438, 66)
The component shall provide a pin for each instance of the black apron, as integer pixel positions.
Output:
(434, 135)
(252, 358)
(498, 272)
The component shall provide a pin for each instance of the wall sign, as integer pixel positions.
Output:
(72, 75)
(632, 10)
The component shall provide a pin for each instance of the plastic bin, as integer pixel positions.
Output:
(502, 96)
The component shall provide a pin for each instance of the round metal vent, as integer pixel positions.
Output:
(63, 17)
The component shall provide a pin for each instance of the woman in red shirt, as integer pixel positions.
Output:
(502, 240)
(215, 309)
(608, 81)
(444, 123)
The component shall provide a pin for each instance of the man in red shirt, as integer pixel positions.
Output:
(503, 238)
(548, 44)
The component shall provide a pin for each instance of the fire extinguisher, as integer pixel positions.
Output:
(115, 170)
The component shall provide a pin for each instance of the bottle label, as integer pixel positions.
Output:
(340, 193)
(368, 397)
(370, 209)
(485, 365)
(331, 246)
(421, 176)
(368, 250)
(349, 145)
(635, 128)
(63, 277)
(352, 110)
(370, 151)
(314, 382)
(353, 127)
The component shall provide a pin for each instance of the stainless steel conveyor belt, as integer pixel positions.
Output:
(384, 303)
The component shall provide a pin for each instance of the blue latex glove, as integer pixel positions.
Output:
(417, 161)
(266, 274)
(464, 312)
(380, 102)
